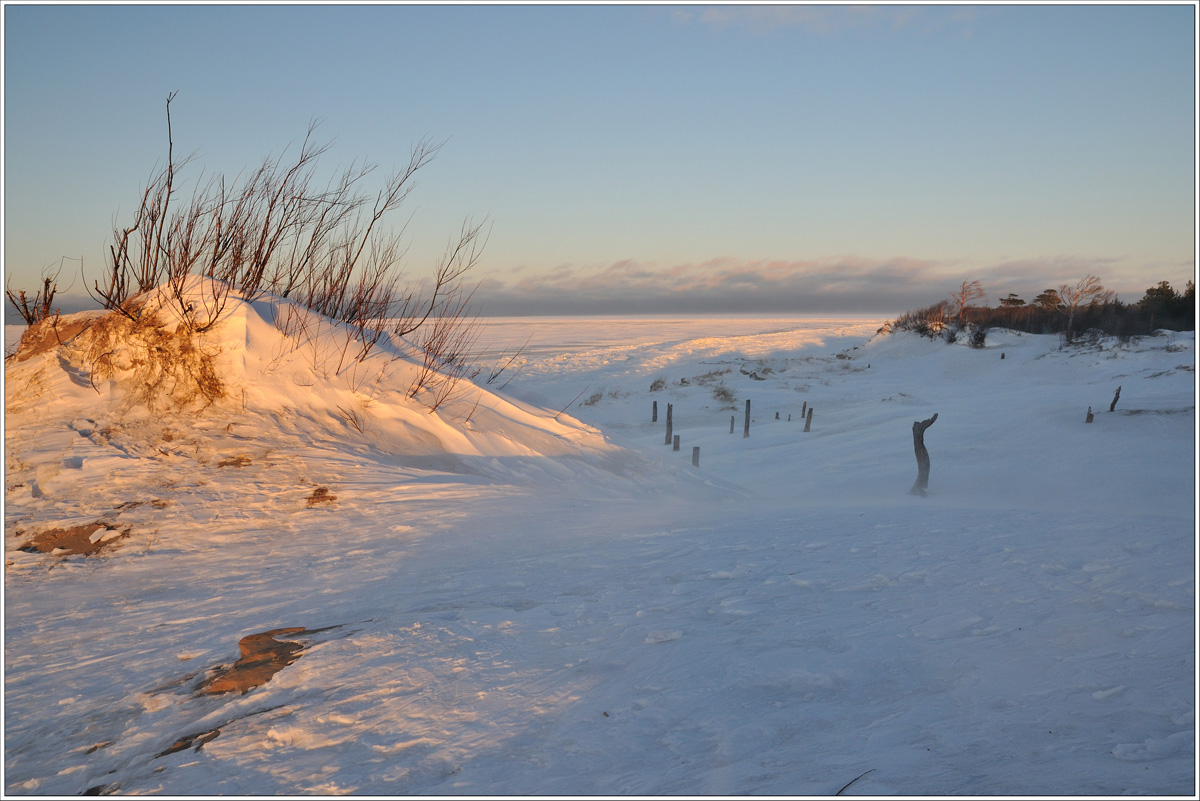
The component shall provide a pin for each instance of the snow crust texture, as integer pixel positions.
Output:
(526, 591)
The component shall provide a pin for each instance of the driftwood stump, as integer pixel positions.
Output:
(808, 421)
(1112, 406)
(1090, 416)
(746, 430)
(667, 441)
(654, 412)
(922, 481)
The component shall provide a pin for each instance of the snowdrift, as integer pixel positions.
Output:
(273, 378)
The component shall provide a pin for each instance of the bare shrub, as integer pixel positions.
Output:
(353, 419)
(499, 368)
(325, 248)
(724, 395)
(927, 322)
(39, 307)
(593, 399)
(445, 347)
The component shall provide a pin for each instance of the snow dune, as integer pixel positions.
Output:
(508, 598)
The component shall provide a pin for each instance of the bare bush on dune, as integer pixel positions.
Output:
(326, 248)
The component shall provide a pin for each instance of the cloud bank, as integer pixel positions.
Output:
(843, 285)
(724, 285)
(827, 286)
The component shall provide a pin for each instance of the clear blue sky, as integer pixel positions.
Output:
(648, 158)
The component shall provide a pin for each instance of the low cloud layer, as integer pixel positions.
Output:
(848, 285)
(842, 286)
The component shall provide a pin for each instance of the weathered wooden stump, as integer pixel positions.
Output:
(731, 419)
(675, 445)
(922, 482)
(1090, 416)
(667, 441)
(654, 413)
(696, 456)
(746, 430)
(1112, 406)
(808, 421)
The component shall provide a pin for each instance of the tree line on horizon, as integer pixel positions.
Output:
(1070, 310)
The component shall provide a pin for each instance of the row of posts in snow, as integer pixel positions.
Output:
(806, 413)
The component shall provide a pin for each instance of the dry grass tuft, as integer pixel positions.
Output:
(162, 368)
(321, 495)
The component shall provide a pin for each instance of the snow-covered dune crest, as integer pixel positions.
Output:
(279, 374)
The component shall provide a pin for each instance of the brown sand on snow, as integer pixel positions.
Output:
(49, 333)
(73, 540)
(262, 657)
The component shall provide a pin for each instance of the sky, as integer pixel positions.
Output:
(665, 159)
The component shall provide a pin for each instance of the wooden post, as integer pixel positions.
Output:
(922, 481)
(776, 415)
(731, 419)
(1001, 355)
(1090, 416)
(667, 441)
(675, 446)
(1113, 405)
(804, 409)
(654, 413)
(789, 418)
(808, 421)
(696, 456)
(746, 429)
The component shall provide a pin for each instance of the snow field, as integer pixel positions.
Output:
(534, 609)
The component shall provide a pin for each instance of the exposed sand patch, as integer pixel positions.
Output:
(194, 741)
(86, 539)
(51, 332)
(262, 657)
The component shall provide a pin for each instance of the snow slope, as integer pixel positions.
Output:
(538, 602)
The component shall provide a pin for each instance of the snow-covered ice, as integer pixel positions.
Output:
(529, 592)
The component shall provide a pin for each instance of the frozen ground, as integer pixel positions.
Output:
(536, 602)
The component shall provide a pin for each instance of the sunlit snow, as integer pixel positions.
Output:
(529, 592)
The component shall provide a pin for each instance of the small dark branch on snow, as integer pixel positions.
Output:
(568, 406)
(861, 775)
